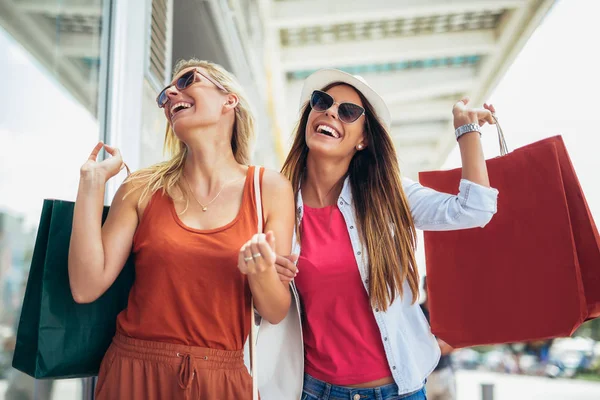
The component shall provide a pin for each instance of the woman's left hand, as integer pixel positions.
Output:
(258, 254)
(467, 115)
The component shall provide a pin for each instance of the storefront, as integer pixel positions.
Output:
(75, 72)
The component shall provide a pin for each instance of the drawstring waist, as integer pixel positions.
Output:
(187, 372)
(189, 358)
(188, 365)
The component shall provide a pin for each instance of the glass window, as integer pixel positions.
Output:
(50, 65)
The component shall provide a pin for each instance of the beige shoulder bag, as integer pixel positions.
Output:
(280, 346)
(258, 201)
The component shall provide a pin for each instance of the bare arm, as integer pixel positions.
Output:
(271, 296)
(473, 162)
(476, 202)
(97, 253)
(445, 348)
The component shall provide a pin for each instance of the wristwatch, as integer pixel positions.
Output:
(461, 130)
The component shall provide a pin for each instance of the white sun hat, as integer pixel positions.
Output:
(323, 77)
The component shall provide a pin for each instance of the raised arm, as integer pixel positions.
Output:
(476, 202)
(471, 153)
(473, 206)
(97, 253)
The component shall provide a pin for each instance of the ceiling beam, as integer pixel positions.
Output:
(296, 14)
(36, 38)
(429, 110)
(419, 133)
(451, 88)
(389, 50)
(88, 8)
(416, 144)
(410, 134)
(515, 30)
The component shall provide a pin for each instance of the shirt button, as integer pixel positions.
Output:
(377, 310)
(385, 338)
(366, 281)
(359, 253)
(351, 227)
(394, 367)
(356, 396)
(299, 210)
(341, 203)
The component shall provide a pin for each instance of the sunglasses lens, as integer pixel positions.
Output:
(185, 80)
(182, 82)
(162, 98)
(320, 101)
(349, 112)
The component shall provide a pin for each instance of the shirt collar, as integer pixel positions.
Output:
(346, 194)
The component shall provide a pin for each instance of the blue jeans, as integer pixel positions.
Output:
(315, 389)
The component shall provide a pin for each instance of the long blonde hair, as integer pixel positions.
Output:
(383, 216)
(166, 175)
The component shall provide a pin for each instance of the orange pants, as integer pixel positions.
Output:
(135, 369)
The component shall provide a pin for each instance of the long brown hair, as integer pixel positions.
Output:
(166, 175)
(383, 216)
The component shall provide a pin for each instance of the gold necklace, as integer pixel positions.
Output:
(205, 207)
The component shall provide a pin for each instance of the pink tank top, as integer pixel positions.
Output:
(341, 338)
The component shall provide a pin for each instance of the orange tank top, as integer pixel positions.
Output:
(188, 289)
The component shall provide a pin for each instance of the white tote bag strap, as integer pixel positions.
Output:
(258, 198)
(259, 214)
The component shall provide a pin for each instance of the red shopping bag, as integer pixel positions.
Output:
(534, 271)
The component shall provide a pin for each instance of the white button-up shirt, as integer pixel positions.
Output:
(411, 350)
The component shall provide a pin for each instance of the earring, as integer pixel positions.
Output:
(359, 147)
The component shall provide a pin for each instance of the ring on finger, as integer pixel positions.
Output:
(256, 255)
(248, 258)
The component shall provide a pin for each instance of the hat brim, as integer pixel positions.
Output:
(324, 77)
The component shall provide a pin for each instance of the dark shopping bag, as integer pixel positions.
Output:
(58, 338)
(534, 271)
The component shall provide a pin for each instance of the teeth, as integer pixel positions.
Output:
(180, 104)
(328, 129)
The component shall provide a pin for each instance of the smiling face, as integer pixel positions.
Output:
(202, 103)
(327, 135)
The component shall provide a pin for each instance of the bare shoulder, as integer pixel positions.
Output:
(129, 192)
(278, 200)
(274, 183)
(132, 193)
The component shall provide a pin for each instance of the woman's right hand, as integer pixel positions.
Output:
(105, 169)
(286, 267)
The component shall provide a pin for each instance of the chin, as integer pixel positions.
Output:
(324, 149)
(184, 124)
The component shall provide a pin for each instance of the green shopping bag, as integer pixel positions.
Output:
(58, 338)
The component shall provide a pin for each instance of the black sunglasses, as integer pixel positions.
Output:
(347, 112)
(183, 82)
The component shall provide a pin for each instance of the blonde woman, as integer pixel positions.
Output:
(188, 317)
(364, 335)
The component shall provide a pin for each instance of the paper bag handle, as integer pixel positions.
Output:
(501, 139)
